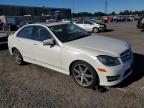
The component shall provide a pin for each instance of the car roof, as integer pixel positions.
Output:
(49, 23)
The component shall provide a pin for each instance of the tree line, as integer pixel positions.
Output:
(125, 12)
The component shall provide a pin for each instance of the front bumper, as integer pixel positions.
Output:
(116, 73)
(102, 28)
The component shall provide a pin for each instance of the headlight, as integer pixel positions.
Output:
(108, 60)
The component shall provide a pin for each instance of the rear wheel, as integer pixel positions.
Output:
(95, 30)
(84, 74)
(18, 57)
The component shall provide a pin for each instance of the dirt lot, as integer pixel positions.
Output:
(32, 86)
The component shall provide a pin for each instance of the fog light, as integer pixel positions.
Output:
(113, 78)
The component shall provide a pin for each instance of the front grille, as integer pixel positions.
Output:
(3, 39)
(126, 56)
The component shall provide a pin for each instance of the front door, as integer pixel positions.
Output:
(46, 54)
(88, 25)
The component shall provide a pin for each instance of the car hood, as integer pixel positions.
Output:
(100, 44)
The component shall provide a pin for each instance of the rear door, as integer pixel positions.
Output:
(25, 42)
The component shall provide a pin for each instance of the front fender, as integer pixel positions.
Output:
(70, 56)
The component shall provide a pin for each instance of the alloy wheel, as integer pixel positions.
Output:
(18, 57)
(96, 30)
(82, 75)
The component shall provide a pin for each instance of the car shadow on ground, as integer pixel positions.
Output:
(3, 47)
(108, 30)
(142, 30)
(138, 71)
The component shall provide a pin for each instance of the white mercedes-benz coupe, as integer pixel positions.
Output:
(91, 59)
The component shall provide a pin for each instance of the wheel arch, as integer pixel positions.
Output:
(88, 64)
(94, 28)
(82, 61)
(13, 48)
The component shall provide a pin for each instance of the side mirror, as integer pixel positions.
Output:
(49, 42)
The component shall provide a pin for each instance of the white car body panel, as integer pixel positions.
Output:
(47, 54)
(100, 43)
(26, 47)
(62, 55)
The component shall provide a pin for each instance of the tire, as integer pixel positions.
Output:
(95, 30)
(18, 57)
(84, 74)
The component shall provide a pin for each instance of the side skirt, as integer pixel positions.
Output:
(58, 69)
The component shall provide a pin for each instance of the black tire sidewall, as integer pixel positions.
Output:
(20, 57)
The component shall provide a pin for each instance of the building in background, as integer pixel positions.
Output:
(57, 13)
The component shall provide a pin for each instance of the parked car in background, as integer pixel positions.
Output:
(9, 27)
(136, 18)
(64, 47)
(22, 23)
(91, 25)
(12, 23)
(3, 38)
(106, 19)
(66, 20)
(140, 23)
(1, 25)
(9, 23)
(123, 18)
(50, 21)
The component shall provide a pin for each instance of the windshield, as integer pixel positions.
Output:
(68, 32)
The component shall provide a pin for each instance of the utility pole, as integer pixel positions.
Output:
(106, 6)
(73, 8)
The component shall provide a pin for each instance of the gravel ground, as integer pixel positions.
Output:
(32, 86)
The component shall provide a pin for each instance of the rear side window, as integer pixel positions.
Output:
(41, 34)
(26, 32)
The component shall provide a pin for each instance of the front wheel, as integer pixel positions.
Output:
(84, 74)
(18, 57)
(95, 30)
